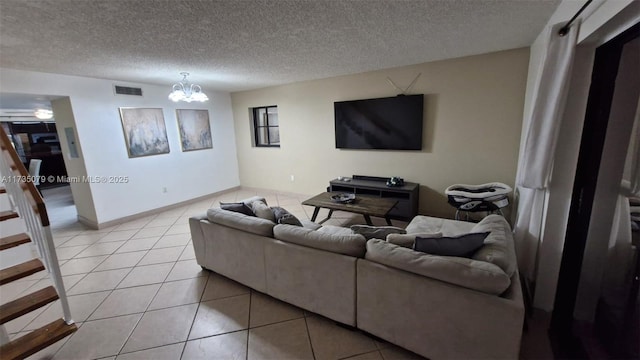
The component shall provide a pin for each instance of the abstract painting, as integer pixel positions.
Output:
(195, 132)
(144, 131)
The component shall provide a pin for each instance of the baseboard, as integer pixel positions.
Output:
(90, 223)
(97, 226)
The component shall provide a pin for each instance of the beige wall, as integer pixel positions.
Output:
(472, 122)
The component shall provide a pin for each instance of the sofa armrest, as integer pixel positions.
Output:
(197, 237)
(471, 274)
(436, 319)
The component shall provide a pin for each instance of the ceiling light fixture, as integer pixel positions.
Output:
(43, 114)
(185, 91)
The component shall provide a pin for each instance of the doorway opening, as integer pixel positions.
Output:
(596, 305)
(38, 142)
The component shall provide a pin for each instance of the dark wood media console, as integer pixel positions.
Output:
(406, 195)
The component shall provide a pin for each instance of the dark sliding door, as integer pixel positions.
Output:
(567, 340)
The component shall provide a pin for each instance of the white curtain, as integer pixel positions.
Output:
(540, 144)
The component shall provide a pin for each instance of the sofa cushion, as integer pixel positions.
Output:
(462, 245)
(427, 224)
(262, 210)
(284, 217)
(238, 207)
(347, 244)
(407, 240)
(498, 247)
(377, 232)
(472, 274)
(310, 224)
(252, 224)
(335, 230)
(252, 199)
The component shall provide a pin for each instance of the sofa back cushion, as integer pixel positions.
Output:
(252, 224)
(462, 245)
(376, 232)
(283, 216)
(262, 210)
(498, 247)
(341, 243)
(407, 240)
(252, 199)
(238, 207)
(469, 273)
(428, 224)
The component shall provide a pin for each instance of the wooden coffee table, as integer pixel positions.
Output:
(365, 205)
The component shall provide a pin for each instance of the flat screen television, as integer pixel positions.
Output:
(393, 123)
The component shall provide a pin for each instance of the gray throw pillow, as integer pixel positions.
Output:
(376, 232)
(237, 207)
(284, 217)
(262, 210)
(407, 240)
(462, 245)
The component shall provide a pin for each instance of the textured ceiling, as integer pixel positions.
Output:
(239, 45)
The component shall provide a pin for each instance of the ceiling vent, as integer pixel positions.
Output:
(125, 90)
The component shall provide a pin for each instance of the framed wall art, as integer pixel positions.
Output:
(195, 131)
(145, 132)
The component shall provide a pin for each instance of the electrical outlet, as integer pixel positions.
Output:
(293, 178)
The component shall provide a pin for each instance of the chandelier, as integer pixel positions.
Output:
(43, 114)
(185, 91)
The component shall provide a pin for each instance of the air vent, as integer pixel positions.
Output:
(124, 90)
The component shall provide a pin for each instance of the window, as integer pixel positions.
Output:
(265, 126)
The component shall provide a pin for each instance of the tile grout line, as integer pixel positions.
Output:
(313, 353)
(246, 352)
(195, 315)
(139, 320)
(153, 347)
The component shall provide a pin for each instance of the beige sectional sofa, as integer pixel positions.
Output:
(436, 306)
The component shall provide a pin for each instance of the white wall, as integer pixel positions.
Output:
(471, 131)
(186, 175)
(597, 26)
(75, 167)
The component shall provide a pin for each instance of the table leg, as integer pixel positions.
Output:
(327, 218)
(388, 221)
(367, 219)
(315, 214)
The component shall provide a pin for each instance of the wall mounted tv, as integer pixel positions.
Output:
(393, 123)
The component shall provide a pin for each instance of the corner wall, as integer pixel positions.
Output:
(472, 123)
(186, 175)
(81, 191)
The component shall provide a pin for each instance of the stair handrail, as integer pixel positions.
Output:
(31, 207)
(17, 166)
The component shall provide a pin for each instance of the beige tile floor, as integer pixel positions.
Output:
(136, 292)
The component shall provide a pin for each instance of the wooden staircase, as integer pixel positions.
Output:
(30, 206)
(40, 338)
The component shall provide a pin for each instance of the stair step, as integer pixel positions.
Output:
(21, 270)
(13, 240)
(37, 340)
(6, 215)
(27, 303)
